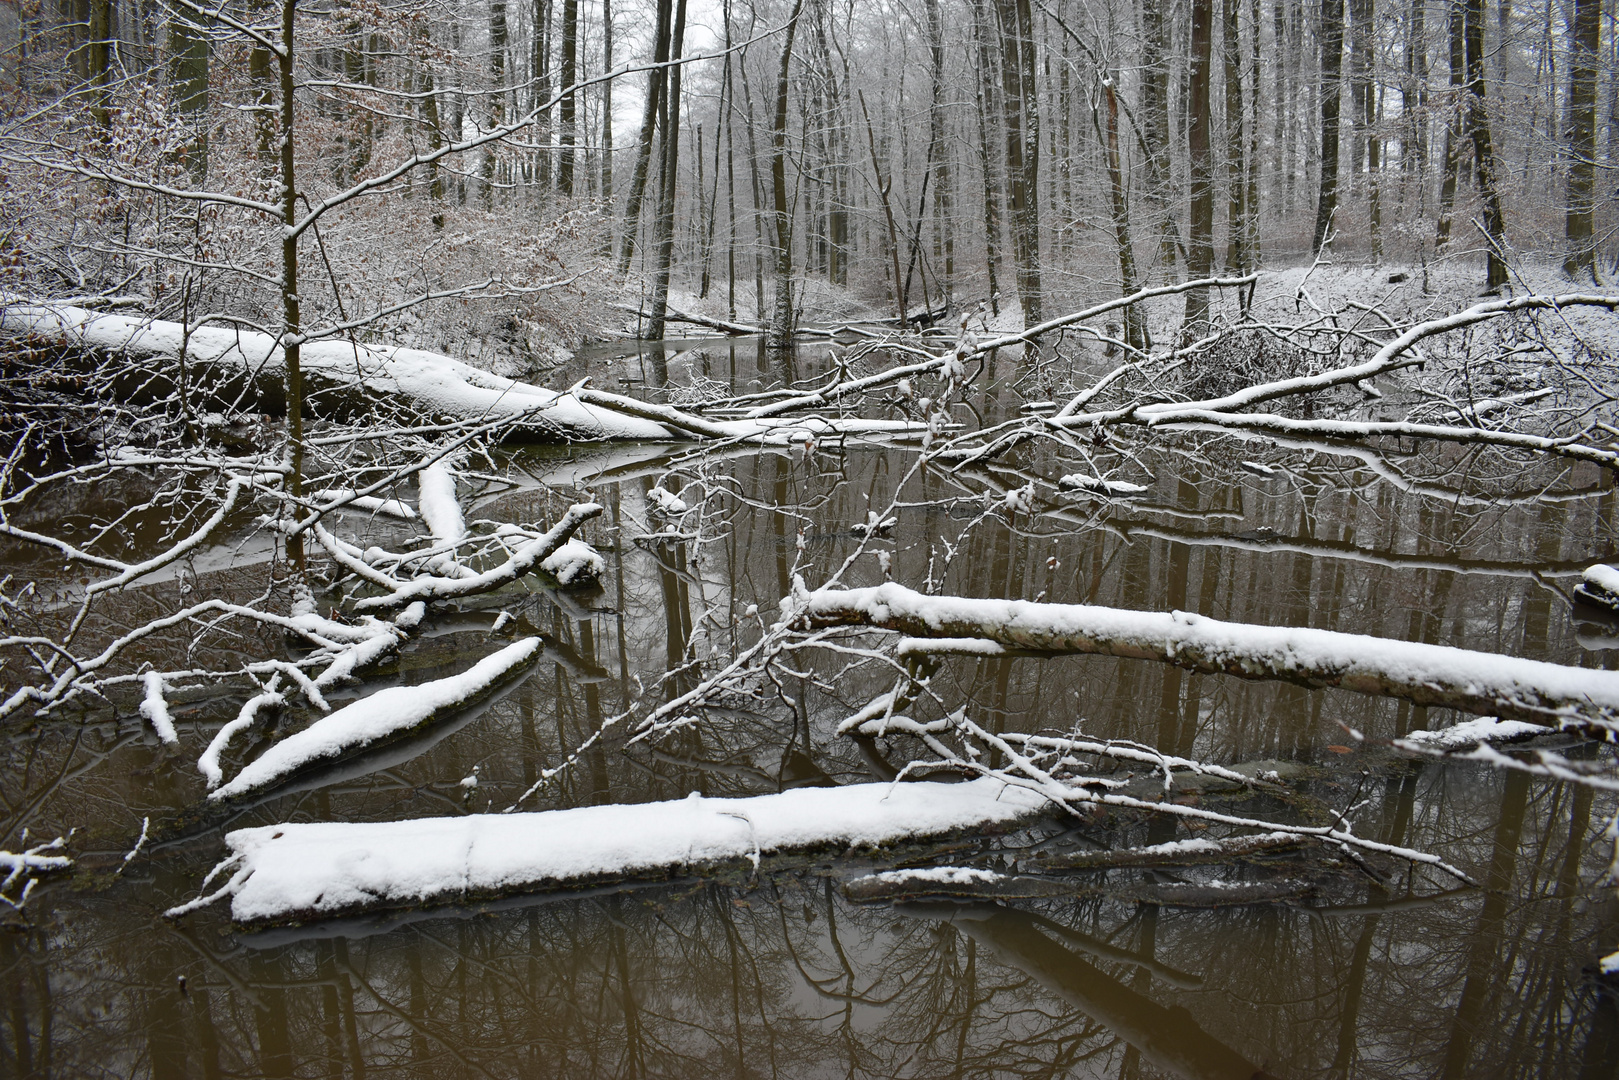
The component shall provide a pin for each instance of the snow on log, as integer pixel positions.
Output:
(325, 869)
(1118, 488)
(385, 714)
(1599, 585)
(156, 710)
(344, 498)
(1431, 675)
(1471, 733)
(440, 512)
(433, 587)
(429, 383)
(575, 565)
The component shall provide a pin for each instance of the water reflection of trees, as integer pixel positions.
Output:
(782, 976)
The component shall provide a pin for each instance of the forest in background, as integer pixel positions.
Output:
(537, 161)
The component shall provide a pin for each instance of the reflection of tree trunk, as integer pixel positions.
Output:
(275, 1048)
(633, 1063)
(1483, 977)
(1167, 1039)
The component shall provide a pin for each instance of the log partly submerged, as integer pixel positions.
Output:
(1432, 675)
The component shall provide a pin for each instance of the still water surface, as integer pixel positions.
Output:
(778, 974)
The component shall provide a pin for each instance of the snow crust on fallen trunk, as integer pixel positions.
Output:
(383, 714)
(324, 869)
(430, 382)
(1433, 675)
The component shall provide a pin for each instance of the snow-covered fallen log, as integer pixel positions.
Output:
(352, 378)
(325, 869)
(343, 378)
(1430, 675)
(385, 714)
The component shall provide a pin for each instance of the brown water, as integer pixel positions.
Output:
(779, 975)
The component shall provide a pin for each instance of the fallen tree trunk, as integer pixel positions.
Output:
(308, 870)
(1436, 676)
(341, 378)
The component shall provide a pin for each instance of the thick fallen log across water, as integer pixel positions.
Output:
(1436, 676)
(327, 869)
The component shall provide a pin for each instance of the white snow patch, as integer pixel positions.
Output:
(1486, 729)
(1181, 847)
(942, 875)
(1082, 482)
(436, 497)
(575, 563)
(156, 710)
(208, 763)
(331, 867)
(1602, 576)
(912, 646)
(386, 712)
(348, 498)
(667, 502)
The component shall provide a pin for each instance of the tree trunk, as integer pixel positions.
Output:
(985, 87)
(1200, 245)
(1135, 326)
(1021, 110)
(607, 103)
(656, 80)
(938, 151)
(1363, 94)
(1582, 97)
(292, 318)
(497, 98)
(98, 56)
(1236, 153)
(188, 87)
(781, 323)
(540, 66)
(1332, 56)
(567, 107)
(663, 227)
(1483, 152)
(1155, 127)
(1454, 131)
